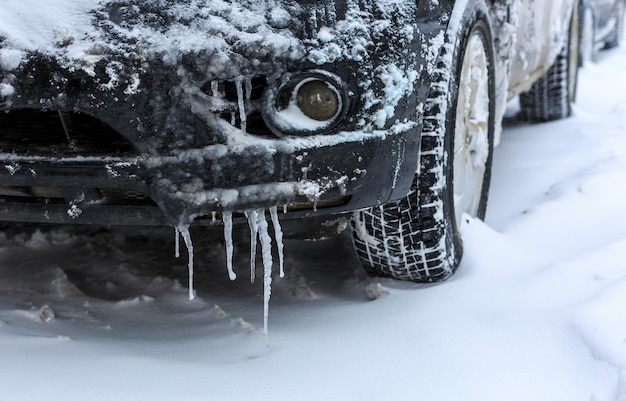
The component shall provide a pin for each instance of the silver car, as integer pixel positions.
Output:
(602, 26)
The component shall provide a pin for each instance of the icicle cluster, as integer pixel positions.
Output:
(259, 232)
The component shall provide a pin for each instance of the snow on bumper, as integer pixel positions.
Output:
(343, 172)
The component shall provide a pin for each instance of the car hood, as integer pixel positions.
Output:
(116, 37)
(140, 65)
(225, 37)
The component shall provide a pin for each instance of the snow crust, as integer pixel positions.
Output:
(398, 83)
(6, 90)
(63, 28)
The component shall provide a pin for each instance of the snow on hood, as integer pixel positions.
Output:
(115, 42)
(80, 33)
(50, 28)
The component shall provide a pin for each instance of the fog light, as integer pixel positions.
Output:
(317, 100)
(306, 103)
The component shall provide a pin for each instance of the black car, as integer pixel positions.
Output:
(184, 112)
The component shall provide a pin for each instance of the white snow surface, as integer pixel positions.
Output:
(537, 310)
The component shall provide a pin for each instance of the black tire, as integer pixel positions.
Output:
(618, 33)
(551, 96)
(417, 238)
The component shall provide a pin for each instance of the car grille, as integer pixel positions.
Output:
(56, 195)
(52, 133)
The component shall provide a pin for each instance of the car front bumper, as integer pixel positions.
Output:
(181, 112)
(353, 171)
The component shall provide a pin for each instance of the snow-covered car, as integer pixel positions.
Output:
(602, 25)
(183, 112)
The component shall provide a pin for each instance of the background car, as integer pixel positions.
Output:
(603, 26)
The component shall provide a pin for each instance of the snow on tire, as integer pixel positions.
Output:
(551, 96)
(418, 237)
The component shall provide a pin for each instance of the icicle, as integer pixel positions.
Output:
(177, 242)
(253, 218)
(184, 231)
(278, 234)
(215, 89)
(213, 217)
(228, 237)
(241, 102)
(266, 245)
(248, 87)
(285, 208)
(233, 119)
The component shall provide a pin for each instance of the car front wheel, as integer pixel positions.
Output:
(418, 238)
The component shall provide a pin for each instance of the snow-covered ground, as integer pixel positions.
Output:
(537, 310)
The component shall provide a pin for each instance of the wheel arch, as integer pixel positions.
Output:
(465, 19)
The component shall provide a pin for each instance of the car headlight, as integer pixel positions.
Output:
(307, 103)
(317, 100)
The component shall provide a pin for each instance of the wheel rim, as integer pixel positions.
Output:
(471, 134)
